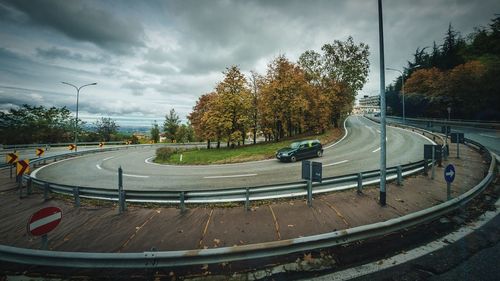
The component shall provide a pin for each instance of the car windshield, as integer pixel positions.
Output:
(295, 145)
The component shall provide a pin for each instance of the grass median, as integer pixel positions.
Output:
(260, 151)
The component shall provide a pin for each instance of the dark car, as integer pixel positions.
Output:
(300, 150)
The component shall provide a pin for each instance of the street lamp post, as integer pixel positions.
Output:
(77, 98)
(402, 87)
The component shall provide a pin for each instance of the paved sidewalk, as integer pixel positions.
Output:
(102, 229)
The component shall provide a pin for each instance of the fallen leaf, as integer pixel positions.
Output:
(290, 225)
(216, 241)
(308, 257)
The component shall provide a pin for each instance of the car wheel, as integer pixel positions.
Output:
(320, 153)
(293, 159)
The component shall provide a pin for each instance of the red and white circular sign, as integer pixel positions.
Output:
(44, 221)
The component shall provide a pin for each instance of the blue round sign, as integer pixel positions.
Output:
(449, 173)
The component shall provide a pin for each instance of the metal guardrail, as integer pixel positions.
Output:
(147, 260)
(286, 190)
(454, 122)
(37, 160)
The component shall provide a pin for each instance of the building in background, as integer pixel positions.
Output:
(368, 104)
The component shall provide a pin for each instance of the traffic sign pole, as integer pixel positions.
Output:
(449, 176)
(433, 159)
(309, 186)
(45, 242)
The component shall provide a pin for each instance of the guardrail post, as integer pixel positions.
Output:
(19, 180)
(11, 166)
(445, 152)
(400, 176)
(360, 183)
(182, 203)
(28, 186)
(247, 199)
(122, 207)
(46, 191)
(76, 195)
(309, 192)
(426, 168)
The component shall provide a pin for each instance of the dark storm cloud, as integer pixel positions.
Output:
(177, 50)
(80, 20)
(66, 54)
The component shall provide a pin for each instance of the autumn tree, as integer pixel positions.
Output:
(255, 83)
(284, 101)
(199, 121)
(234, 101)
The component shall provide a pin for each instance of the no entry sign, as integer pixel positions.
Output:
(44, 221)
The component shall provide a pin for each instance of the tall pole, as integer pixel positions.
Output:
(403, 87)
(403, 91)
(382, 107)
(77, 99)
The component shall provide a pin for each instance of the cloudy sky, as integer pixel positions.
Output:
(150, 56)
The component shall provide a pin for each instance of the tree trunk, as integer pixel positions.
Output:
(208, 144)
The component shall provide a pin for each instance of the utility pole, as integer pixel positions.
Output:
(383, 159)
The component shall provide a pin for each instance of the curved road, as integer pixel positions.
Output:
(358, 151)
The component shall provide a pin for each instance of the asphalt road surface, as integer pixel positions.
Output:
(358, 151)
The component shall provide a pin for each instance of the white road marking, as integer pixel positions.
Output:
(231, 176)
(489, 136)
(378, 131)
(98, 166)
(33, 174)
(135, 176)
(106, 159)
(336, 163)
(345, 135)
(376, 150)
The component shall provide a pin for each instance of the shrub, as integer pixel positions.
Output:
(164, 153)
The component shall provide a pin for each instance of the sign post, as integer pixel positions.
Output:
(457, 138)
(433, 152)
(44, 221)
(449, 176)
(311, 171)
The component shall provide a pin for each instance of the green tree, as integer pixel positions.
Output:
(182, 134)
(171, 124)
(106, 128)
(155, 132)
(36, 124)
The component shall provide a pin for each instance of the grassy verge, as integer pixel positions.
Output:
(235, 155)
